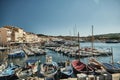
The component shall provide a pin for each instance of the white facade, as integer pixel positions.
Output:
(16, 34)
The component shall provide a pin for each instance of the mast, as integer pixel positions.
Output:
(78, 41)
(92, 39)
(75, 29)
(70, 35)
(78, 45)
(112, 55)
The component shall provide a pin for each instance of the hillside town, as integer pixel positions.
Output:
(13, 34)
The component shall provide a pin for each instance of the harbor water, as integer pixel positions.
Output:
(57, 57)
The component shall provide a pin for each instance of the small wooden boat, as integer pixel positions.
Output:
(96, 65)
(112, 67)
(50, 68)
(30, 68)
(104, 67)
(9, 72)
(80, 67)
(3, 65)
(28, 52)
(16, 53)
(67, 70)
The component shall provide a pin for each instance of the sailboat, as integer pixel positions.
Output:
(80, 67)
(112, 67)
(93, 63)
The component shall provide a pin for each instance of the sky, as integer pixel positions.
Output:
(62, 17)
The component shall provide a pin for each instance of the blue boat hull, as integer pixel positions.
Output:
(112, 68)
(10, 77)
(16, 55)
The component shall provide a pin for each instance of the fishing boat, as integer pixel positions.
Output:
(50, 68)
(16, 53)
(112, 41)
(96, 65)
(93, 62)
(80, 67)
(30, 68)
(3, 65)
(9, 72)
(112, 67)
(28, 52)
(66, 70)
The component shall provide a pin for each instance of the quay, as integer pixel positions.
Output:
(115, 76)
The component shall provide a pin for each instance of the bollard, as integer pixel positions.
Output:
(87, 78)
(81, 76)
(98, 78)
(91, 77)
(105, 76)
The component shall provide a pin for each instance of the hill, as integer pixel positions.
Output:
(115, 36)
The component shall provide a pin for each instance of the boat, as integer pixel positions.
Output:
(112, 41)
(80, 67)
(66, 70)
(40, 52)
(49, 68)
(16, 53)
(9, 72)
(3, 65)
(96, 65)
(30, 68)
(112, 67)
(36, 50)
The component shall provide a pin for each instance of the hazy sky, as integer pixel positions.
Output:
(58, 17)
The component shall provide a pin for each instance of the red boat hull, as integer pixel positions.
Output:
(80, 67)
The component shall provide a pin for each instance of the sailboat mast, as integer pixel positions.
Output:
(79, 45)
(78, 41)
(112, 55)
(92, 39)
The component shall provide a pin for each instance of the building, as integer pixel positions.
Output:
(13, 34)
(18, 34)
(31, 37)
(5, 36)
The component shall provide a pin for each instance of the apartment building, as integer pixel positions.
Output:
(31, 37)
(16, 35)
(5, 36)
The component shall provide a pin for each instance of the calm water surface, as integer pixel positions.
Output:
(59, 57)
